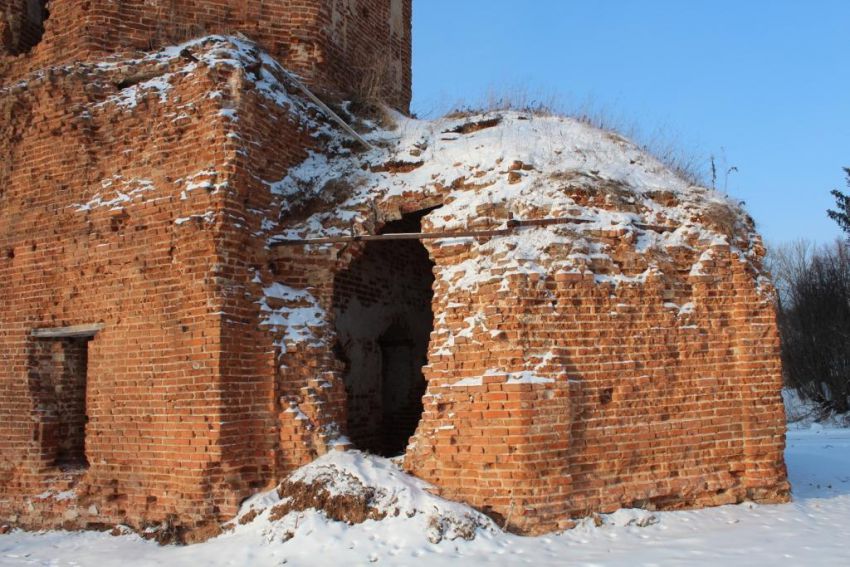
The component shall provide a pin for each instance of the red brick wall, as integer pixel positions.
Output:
(648, 408)
(331, 43)
(180, 390)
(267, 140)
(643, 404)
(309, 374)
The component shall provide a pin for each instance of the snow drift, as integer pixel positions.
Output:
(353, 487)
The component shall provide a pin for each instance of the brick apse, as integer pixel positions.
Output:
(571, 329)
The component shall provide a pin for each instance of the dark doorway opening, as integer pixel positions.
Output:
(58, 378)
(382, 306)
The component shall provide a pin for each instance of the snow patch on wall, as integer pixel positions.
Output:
(293, 312)
(117, 192)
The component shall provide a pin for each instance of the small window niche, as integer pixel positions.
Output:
(23, 27)
(58, 368)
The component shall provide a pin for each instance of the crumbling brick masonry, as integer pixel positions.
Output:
(173, 338)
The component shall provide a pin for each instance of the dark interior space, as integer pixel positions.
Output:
(402, 387)
(382, 304)
(58, 375)
(24, 25)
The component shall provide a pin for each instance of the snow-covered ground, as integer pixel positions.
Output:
(812, 530)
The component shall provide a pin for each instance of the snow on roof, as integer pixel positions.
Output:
(486, 169)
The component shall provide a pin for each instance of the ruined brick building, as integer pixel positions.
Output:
(206, 281)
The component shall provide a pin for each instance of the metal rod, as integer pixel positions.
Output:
(510, 227)
(394, 236)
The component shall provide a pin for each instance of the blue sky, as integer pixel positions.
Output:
(764, 85)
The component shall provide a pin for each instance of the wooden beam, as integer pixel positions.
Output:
(75, 331)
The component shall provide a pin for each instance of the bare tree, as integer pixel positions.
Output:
(787, 263)
(814, 319)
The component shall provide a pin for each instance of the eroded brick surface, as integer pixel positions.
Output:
(337, 46)
(132, 197)
(630, 359)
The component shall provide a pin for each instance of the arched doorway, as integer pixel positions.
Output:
(382, 308)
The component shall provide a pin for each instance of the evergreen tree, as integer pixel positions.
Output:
(842, 203)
